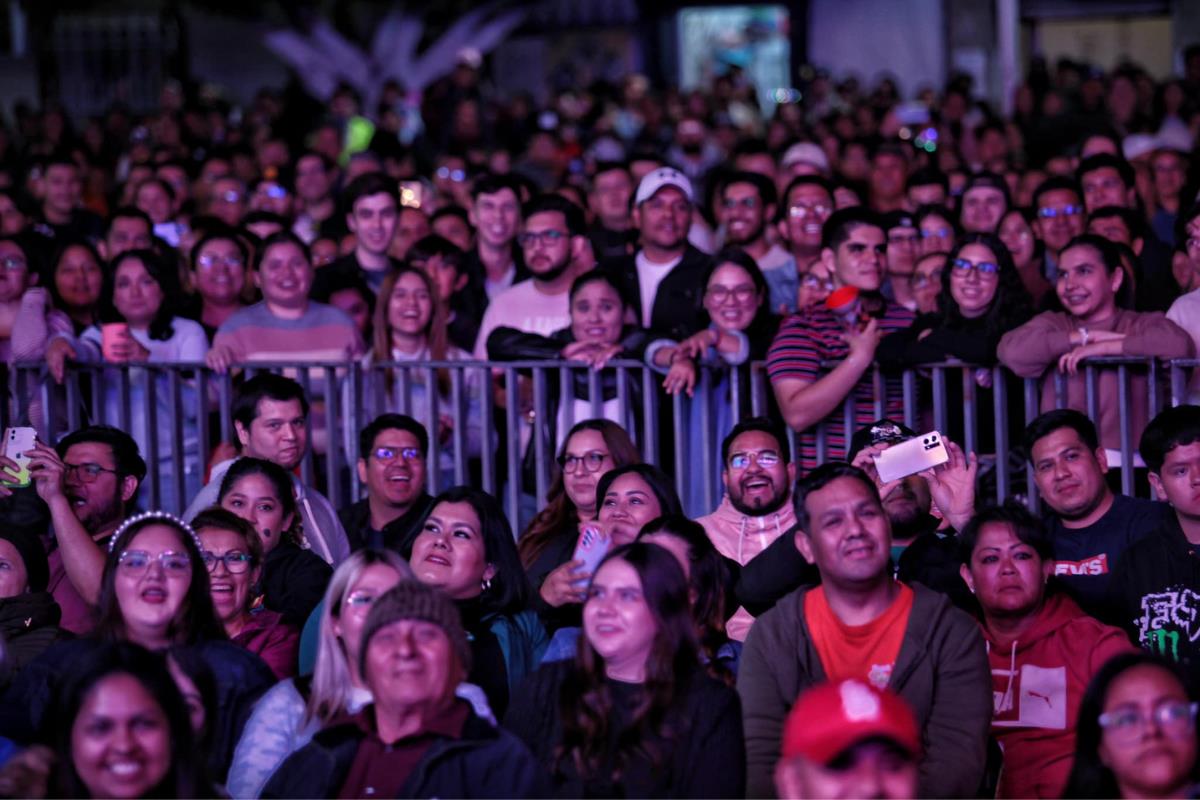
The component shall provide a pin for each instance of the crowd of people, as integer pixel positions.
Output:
(818, 631)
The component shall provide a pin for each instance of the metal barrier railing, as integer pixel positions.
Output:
(491, 421)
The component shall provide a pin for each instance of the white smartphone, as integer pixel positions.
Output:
(908, 458)
(591, 548)
(17, 444)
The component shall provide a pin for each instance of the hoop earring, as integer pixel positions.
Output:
(486, 584)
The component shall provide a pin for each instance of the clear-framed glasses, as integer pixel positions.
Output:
(591, 461)
(963, 267)
(547, 238)
(235, 562)
(392, 453)
(1175, 719)
(1062, 211)
(741, 294)
(211, 262)
(456, 175)
(136, 562)
(940, 233)
(815, 282)
(921, 281)
(801, 211)
(766, 459)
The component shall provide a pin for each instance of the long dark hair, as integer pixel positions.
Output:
(707, 581)
(509, 592)
(196, 620)
(659, 483)
(586, 702)
(167, 278)
(51, 271)
(1011, 305)
(1089, 776)
(185, 778)
(280, 481)
(559, 513)
(763, 327)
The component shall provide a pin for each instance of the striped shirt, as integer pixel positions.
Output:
(814, 336)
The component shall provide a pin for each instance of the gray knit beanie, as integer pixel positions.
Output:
(411, 599)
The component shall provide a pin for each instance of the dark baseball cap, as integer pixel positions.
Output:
(878, 432)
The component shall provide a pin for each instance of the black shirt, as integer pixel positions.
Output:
(356, 519)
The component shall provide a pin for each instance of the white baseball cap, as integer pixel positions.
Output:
(656, 180)
(806, 153)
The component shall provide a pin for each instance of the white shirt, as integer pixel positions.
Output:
(493, 288)
(1185, 312)
(525, 307)
(650, 275)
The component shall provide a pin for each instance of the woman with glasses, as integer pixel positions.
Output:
(1043, 649)
(591, 449)
(18, 272)
(233, 555)
(1136, 734)
(154, 592)
(293, 577)
(981, 299)
(938, 229)
(219, 281)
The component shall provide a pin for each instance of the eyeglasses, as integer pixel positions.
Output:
(940, 233)
(1175, 719)
(1065, 211)
(211, 262)
(274, 191)
(591, 461)
(547, 238)
(813, 282)
(88, 473)
(230, 197)
(13, 263)
(748, 203)
(765, 459)
(741, 294)
(800, 211)
(903, 239)
(392, 453)
(136, 562)
(963, 267)
(235, 562)
(456, 175)
(921, 281)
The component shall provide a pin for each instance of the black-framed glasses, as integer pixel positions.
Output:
(742, 294)
(963, 267)
(547, 238)
(87, 472)
(135, 562)
(591, 461)
(1174, 718)
(392, 453)
(748, 203)
(236, 562)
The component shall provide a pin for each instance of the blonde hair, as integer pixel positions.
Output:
(331, 681)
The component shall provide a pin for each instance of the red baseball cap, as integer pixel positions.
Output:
(830, 718)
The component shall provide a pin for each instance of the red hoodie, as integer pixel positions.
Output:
(1038, 682)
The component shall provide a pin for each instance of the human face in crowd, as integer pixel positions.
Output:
(609, 198)
(597, 314)
(629, 504)
(11, 219)
(361, 594)
(496, 218)
(815, 285)
(220, 275)
(585, 460)
(410, 307)
(152, 581)
(860, 261)
(277, 433)
(1017, 236)
(285, 276)
(1069, 476)
(272, 197)
(312, 180)
(930, 194)
(617, 621)
(937, 235)
(1087, 290)
(254, 499)
(927, 282)
(78, 278)
(903, 244)
(1059, 220)
(177, 178)
(411, 664)
(230, 589)
(744, 214)
(373, 222)
(14, 272)
(450, 179)
(974, 278)
(14, 579)
(450, 554)
(355, 306)
(1170, 174)
(121, 739)
(1149, 741)
(756, 488)
(394, 470)
(664, 219)
(1104, 187)
(227, 200)
(887, 176)
(1007, 576)
(456, 230)
(874, 768)
(412, 225)
(136, 294)
(546, 243)
(1179, 480)
(982, 208)
(126, 233)
(153, 199)
(731, 298)
(808, 206)
(849, 538)
(1113, 229)
(63, 189)
(324, 252)
(446, 279)
(98, 504)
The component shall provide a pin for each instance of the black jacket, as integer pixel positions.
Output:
(356, 519)
(28, 625)
(485, 762)
(293, 582)
(678, 309)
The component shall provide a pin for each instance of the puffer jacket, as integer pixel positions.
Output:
(740, 537)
